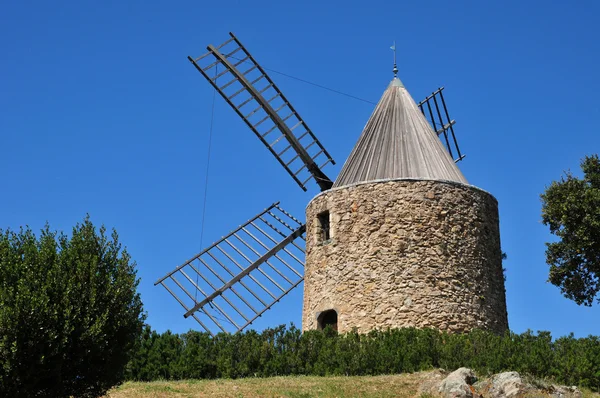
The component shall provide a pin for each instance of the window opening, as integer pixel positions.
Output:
(324, 226)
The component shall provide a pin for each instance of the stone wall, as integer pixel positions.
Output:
(405, 253)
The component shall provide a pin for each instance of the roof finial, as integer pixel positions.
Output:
(395, 70)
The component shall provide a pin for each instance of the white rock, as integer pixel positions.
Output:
(507, 384)
(458, 384)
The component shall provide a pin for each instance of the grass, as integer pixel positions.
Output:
(403, 385)
(400, 386)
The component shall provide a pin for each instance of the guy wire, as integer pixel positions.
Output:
(210, 132)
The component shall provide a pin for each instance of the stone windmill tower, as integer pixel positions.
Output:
(399, 239)
(402, 239)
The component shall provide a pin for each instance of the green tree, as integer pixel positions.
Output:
(571, 208)
(69, 312)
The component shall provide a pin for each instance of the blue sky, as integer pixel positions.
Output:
(103, 114)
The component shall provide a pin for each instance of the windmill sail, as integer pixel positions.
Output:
(247, 88)
(228, 285)
(440, 121)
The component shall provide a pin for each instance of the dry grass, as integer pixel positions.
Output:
(403, 385)
(400, 386)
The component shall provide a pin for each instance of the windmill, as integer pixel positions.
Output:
(232, 282)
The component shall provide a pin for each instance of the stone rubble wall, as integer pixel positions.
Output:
(406, 253)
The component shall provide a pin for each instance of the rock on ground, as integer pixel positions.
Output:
(458, 384)
(565, 392)
(430, 382)
(507, 384)
(462, 383)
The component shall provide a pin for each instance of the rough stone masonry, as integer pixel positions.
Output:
(403, 253)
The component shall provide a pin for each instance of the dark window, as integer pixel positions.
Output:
(326, 318)
(324, 226)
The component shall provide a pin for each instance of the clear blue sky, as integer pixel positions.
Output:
(101, 113)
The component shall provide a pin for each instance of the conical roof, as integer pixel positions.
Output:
(398, 142)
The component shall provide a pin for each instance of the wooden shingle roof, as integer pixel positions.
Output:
(398, 142)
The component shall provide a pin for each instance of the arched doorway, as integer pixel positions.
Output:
(327, 318)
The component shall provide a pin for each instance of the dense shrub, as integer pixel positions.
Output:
(70, 314)
(287, 351)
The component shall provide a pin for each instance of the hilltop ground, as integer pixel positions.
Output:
(402, 385)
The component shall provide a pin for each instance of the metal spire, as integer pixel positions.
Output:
(395, 70)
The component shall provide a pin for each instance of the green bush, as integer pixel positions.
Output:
(69, 312)
(287, 351)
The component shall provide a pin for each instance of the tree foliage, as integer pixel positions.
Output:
(285, 351)
(69, 312)
(571, 208)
